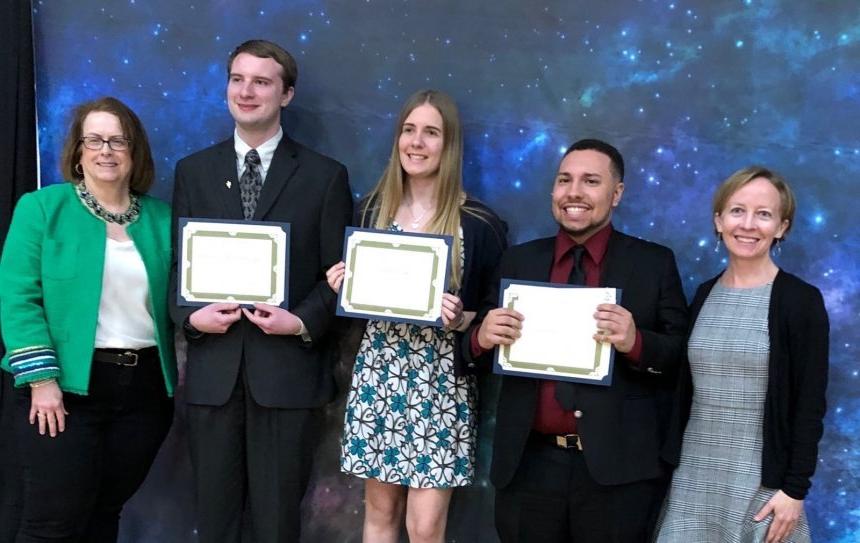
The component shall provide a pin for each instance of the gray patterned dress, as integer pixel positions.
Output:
(716, 490)
(409, 420)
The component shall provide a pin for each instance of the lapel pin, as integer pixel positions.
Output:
(228, 183)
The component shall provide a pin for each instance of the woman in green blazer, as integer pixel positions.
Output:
(83, 307)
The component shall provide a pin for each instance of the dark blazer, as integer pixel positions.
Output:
(311, 192)
(485, 237)
(795, 403)
(623, 425)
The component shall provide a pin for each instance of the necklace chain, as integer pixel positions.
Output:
(128, 216)
(416, 221)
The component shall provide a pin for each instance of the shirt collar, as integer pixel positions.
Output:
(266, 149)
(595, 246)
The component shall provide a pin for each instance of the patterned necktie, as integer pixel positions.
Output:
(564, 391)
(250, 184)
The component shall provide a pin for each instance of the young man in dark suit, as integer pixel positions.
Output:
(580, 462)
(255, 379)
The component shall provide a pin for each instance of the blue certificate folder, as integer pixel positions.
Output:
(540, 369)
(274, 282)
(438, 247)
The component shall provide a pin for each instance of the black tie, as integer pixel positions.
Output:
(577, 274)
(564, 391)
(250, 184)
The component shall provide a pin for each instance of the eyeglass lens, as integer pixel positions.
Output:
(95, 143)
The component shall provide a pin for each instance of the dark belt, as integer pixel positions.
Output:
(124, 357)
(562, 441)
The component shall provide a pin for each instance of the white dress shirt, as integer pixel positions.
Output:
(266, 150)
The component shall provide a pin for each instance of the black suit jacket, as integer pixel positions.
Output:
(623, 425)
(311, 192)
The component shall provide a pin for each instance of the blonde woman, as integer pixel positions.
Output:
(752, 395)
(410, 415)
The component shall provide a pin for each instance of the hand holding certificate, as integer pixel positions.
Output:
(394, 276)
(556, 339)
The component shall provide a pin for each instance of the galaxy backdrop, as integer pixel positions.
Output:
(689, 91)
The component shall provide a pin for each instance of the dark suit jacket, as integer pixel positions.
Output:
(311, 192)
(623, 425)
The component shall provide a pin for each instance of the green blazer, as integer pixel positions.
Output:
(51, 282)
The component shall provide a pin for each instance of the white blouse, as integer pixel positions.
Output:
(125, 314)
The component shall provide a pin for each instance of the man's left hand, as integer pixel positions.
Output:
(273, 320)
(616, 326)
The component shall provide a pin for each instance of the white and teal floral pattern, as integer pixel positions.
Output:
(409, 420)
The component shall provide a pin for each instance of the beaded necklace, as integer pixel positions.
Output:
(128, 216)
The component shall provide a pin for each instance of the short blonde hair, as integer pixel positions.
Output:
(787, 203)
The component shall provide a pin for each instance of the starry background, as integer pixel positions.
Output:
(689, 91)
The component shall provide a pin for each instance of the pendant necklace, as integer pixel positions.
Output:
(416, 221)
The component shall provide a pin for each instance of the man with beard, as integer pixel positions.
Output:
(580, 462)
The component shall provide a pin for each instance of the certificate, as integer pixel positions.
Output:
(557, 336)
(394, 276)
(239, 262)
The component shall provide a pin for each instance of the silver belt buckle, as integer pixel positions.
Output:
(130, 364)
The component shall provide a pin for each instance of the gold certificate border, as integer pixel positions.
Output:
(402, 242)
(273, 234)
(557, 369)
(227, 296)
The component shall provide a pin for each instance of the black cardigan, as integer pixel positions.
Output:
(799, 332)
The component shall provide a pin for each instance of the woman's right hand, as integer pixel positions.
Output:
(46, 408)
(334, 276)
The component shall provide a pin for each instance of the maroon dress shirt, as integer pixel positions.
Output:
(550, 417)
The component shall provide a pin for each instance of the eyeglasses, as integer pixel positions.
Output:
(95, 143)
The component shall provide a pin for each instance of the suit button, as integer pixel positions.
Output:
(471, 365)
(577, 414)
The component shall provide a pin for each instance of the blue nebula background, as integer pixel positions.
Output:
(689, 91)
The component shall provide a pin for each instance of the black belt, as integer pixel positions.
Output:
(124, 357)
(562, 441)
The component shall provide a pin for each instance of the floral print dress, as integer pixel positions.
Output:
(409, 420)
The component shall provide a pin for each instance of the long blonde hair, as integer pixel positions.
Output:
(384, 200)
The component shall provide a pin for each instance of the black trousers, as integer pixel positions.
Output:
(553, 498)
(76, 484)
(10, 472)
(251, 466)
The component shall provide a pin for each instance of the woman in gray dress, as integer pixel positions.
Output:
(751, 399)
